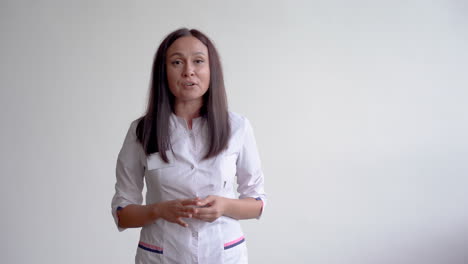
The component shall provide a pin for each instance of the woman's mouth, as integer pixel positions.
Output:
(189, 84)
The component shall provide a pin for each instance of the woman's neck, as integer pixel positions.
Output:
(188, 110)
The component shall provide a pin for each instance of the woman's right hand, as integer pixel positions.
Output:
(172, 211)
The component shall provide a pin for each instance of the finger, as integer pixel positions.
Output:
(187, 209)
(185, 215)
(204, 212)
(180, 222)
(207, 201)
(206, 218)
(189, 202)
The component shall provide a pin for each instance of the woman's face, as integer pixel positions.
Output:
(188, 69)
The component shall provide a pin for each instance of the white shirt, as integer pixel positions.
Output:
(188, 176)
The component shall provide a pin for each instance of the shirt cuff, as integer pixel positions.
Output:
(116, 217)
(263, 206)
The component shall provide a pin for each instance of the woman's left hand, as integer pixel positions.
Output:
(212, 208)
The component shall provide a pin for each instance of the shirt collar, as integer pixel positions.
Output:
(181, 123)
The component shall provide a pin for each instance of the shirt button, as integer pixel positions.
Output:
(195, 234)
(192, 167)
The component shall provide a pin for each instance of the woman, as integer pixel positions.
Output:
(189, 149)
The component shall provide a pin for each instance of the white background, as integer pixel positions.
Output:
(359, 109)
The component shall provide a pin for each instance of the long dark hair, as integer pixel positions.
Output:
(153, 128)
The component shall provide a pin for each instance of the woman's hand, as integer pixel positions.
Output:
(212, 208)
(173, 211)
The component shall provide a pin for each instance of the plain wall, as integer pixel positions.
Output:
(359, 109)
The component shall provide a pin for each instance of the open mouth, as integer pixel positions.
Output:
(189, 83)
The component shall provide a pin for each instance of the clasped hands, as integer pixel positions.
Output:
(208, 209)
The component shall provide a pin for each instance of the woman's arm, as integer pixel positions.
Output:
(135, 215)
(216, 206)
(250, 181)
(246, 208)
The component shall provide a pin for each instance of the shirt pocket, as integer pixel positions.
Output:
(166, 181)
(235, 252)
(159, 172)
(228, 171)
(155, 161)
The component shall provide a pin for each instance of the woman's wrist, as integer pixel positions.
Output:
(153, 211)
(227, 206)
(246, 208)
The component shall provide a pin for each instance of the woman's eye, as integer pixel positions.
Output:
(177, 62)
(199, 61)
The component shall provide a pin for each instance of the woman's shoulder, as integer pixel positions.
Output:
(134, 122)
(236, 119)
(238, 122)
(133, 125)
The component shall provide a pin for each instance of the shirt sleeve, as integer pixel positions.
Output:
(250, 178)
(129, 173)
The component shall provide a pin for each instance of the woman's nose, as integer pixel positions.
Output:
(188, 70)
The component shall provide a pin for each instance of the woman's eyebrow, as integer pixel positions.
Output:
(198, 53)
(182, 55)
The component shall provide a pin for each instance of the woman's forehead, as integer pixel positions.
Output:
(186, 46)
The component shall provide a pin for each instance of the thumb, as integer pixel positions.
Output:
(207, 201)
(189, 202)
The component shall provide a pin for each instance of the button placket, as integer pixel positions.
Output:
(193, 140)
